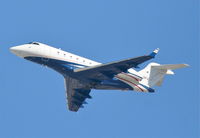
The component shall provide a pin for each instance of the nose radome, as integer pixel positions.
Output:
(13, 49)
(17, 50)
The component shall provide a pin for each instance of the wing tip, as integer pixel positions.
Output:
(154, 53)
(186, 65)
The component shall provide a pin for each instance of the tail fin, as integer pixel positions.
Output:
(154, 73)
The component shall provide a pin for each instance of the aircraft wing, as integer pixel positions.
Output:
(76, 94)
(109, 70)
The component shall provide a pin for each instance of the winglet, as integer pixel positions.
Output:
(153, 54)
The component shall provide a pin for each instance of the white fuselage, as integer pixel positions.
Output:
(45, 51)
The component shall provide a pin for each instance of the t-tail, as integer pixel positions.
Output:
(153, 74)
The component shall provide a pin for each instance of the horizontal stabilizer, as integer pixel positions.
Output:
(170, 66)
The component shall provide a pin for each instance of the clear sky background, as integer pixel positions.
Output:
(32, 97)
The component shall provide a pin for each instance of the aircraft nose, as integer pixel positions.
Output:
(17, 50)
(13, 49)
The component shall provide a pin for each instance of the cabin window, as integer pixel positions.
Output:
(35, 43)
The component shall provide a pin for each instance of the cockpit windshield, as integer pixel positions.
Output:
(35, 43)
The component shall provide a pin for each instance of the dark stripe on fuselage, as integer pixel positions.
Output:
(63, 67)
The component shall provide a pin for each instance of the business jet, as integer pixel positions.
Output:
(82, 74)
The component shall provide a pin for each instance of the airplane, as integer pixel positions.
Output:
(82, 74)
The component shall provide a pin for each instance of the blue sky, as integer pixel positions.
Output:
(32, 97)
